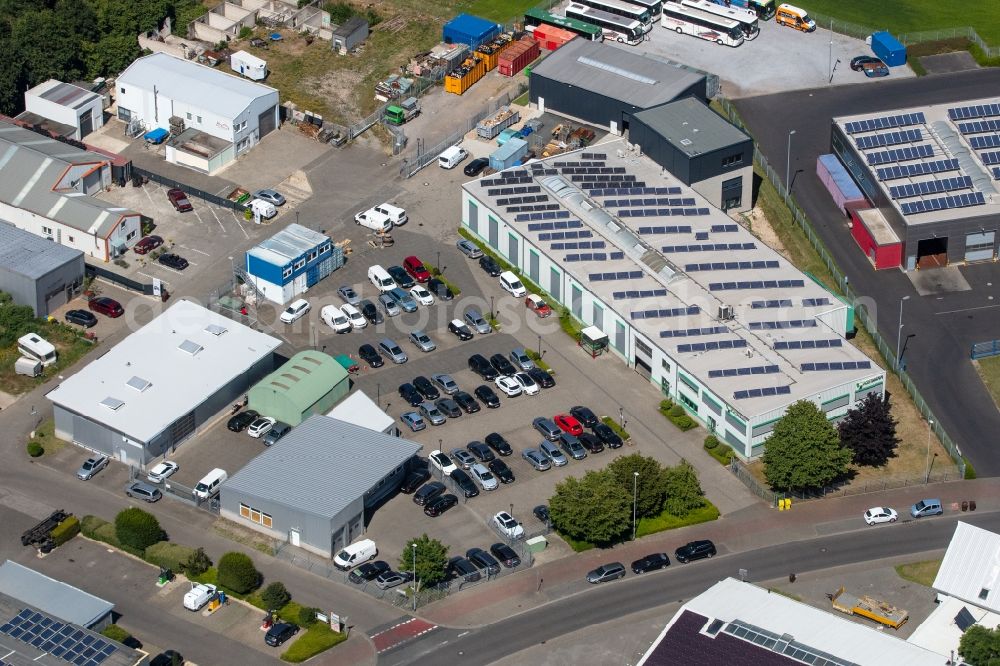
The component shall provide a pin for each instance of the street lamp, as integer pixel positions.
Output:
(930, 426)
(635, 499)
(788, 163)
(899, 331)
(378, 395)
(414, 587)
(539, 345)
(437, 264)
(621, 417)
(491, 307)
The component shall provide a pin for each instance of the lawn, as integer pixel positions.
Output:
(666, 521)
(989, 371)
(317, 638)
(70, 346)
(922, 573)
(501, 12)
(915, 15)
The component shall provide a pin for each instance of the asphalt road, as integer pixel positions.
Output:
(677, 583)
(944, 325)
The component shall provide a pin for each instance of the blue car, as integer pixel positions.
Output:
(414, 420)
(403, 300)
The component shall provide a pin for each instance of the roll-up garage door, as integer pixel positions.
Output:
(266, 122)
(979, 246)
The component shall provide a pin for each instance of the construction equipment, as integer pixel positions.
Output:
(865, 606)
(41, 534)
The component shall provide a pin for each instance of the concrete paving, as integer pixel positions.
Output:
(947, 63)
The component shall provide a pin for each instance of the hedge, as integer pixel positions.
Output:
(168, 555)
(65, 530)
(676, 415)
(721, 452)
(89, 525)
(667, 521)
(35, 449)
(317, 638)
(115, 633)
(106, 533)
(533, 355)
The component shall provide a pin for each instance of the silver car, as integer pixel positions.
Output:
(91, 467)
(389, 305)
(270, 196)
(403, 299)
(431, 413)
(392, 351)
(536, 459)
(521, 360)
(484, 477)
(469, 249)
(422, 341)
(552, 452)
(476, 321)
(447, 384)
(572, 446)
(547, 427)
(463, 458)
(347, 293)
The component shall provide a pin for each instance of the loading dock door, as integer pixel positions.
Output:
(266, 122)
(643, 368)
(932, 253)
(979, 247)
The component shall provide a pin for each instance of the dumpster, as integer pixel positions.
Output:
(888, 49)
(507, 155)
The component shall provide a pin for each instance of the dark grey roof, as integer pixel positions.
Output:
(691, 126)
(64, 94)
(637, 79)
(350, 26)
(685, 644)
(32, 256)
(342, 459)
(52, 596)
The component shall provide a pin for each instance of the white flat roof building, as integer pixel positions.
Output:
(359, 409)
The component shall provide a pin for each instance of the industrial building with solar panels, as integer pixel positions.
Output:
(723, 324)
(927, 179)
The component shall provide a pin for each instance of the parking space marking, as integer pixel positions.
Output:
(193, 249)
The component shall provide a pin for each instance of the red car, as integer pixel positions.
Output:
(535, 303)
(568, 424)
(106, 306)
(179, 200)
(147, 244)
(416, 269)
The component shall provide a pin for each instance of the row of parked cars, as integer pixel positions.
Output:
(695, 550)
(265, 428)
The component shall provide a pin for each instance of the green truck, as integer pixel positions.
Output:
(397, 114)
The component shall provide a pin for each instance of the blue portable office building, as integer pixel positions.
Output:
(468, 29)
(291, 261)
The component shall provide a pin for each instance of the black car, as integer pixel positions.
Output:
(650, 563)
(174, 261)
(370, 312)
(460, 330)
(502, 365)
(83, 318)
(425, 387)
(483, 560)
(607, 436)
(368, 571)
(501, 471)
(466, 402)
(506, 555)
(428, 492)
(583, 414)
(458, 566)
(370, 355)
(479, 365)
(414, 480)
(448, 407)
(591, 442)
(496, 442)
(440, 504)
(696, 550)
(541, 378)
(488, 396)
(240, 422)
(167, 658)
(490, 265)
(410, 394)
(476, 166)
(465, 483)
(439, 289)
(279, 633)
(481, 451)
(542, 513)
(402, 278)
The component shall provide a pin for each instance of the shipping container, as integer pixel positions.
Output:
(506, 135)
(465, 76)
(525, 55)
(838, 182)
(888, 49)
(499, 121)
(490, 53)
(471, 30)
(507, 155)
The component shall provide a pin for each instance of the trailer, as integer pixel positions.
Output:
(499, 121)
(765, 9)
(865, 606)
(248, 65)
(40, 534)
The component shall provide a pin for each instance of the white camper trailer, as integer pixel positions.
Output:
(248, 65)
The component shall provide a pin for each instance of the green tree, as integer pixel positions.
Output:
(683, 490)
(431, 559)
(804, 450)
(137, 529)
(198, 563)
(237, 573)
(109, 55)
(595, 508)
(869, 431)
(650, 486)
(276, 596)
(980, 646)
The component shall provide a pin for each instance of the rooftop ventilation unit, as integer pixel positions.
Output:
(726, 312)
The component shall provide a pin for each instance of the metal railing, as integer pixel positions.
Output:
(188, 189)
(122, 281)
(984, 349)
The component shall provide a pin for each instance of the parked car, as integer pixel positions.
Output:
(496, 442)
(511, 284)
(143, 491)
(431, 413)
(391, 579)
(926, 507)
(490, 265)
(416, 269)
(459, 567)
(608, 436)
(546, 427)
(415, 422)
(572, 446)
(541, 512)
(402, 278)
(426, 388)
(441, 460)
(468, 248)
(606, 572)
(440, 289)
(421, 295)
(414, 480)
(585, 416)
(347, 293)
(506, 555)
(481, 451)
(298, 309)
(460, 330)
(389, 305)
(368, 571)
(199, 595)
(488, 396)
(260, 426)
(448, 407)
(370, 312)
(162, 471)
(536, 459)
(506, 525)
(552, 452)
(333, 317)
(392, 351)
(81, 318)
(242, 419)
(91, 467)
(695, 550)
(591, 442)
(568, 423)
(650, 563)
(543, 378)
(174, 261)
(370, 355)
(279, 633)
(479, 365)
(528, 385)
(465, 482)
(468, 404)
(168, 658)
(179, 200)
(270, 196)
(147, 244)
(422, 341)
(880, 514)
(475, 167)
(475, 319)
(427, 492)
(519, 357)
(484, 477)
(410, 394)
(501, 471)
(354, 316)
(445, 382)
(277, 431)
(108, 307)
(463, 458)
(510, 386)
(871, 66)
(537, 304)
(483, 560)
(502, 365)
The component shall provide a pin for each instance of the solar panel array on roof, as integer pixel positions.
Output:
(708, 247)
(580, 245)
(595, 171)
(670, 229)
(631, 191)
(689, 332)
(996, 173)
(943, 203)
(808, 344)
(665, 312)
(815, 302)
(661, 212)
(977, 126)
(507, 180)
(550, 215)
(755, 284)
(588, 256)
(836, 365)
(59, 639)
(990, 158)
(711, 346)
(731, 266)
(549, 226)
(977, 111)
(918, 169)
(761, 305)
(533, 207)
(594, 156)
(775, 325)
(741, 372)
(888, 138)
(762, 392)
(701, 235)
(618, 255)
(724, 228)
(619, 275)
(592, 180)
(885, 122)
(638, 293)
(930, 187)
(651, 201)
(985, 141)
(566, 235)
(533, 198)
(900, 154)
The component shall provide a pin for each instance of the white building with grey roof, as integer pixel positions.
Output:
(699, 306)
(37, 272)
(63, 108)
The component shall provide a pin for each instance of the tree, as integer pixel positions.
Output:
(980, 646)
(237, 573)
(137, 529)
(431, 559)
(804, 450)
(595, 508)
(683, 490)
(198, 563)
(869, 431)
(275, 596)
(650, 487)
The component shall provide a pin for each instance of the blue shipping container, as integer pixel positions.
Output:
(507, 155)
(471, 30)
(888, 49)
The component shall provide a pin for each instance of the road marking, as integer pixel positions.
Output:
(145, 275)
(462, 634)
(981, 307)
(193, 249)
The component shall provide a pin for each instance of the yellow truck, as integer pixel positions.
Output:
(865, 606)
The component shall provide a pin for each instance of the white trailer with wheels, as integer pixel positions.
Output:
(248, 65)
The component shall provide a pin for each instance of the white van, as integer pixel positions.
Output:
(34, 346)
(355, 554)
(396, 214)
(374, 219)
(209, 486)
(450, 158)
(264, 209)
(509, 282)
(381, 279)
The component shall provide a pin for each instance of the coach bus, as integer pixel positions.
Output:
(623, 9)
(536, 17)
(747, 18)
(617, 28)
(701, 24)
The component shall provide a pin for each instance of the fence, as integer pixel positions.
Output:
(92, 271)
(188, 189)
(178, 491)
(984, 349)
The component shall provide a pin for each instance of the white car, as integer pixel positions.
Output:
(421, 295)
(528, 385)
(510, 386)
(441, 460)
(161, 471)
(199, 595)
(354, 315)
(295, 311)
(335, 319)
(510, 283)
(880, 514)
(508, 526)
(484, 477)
(260, 426)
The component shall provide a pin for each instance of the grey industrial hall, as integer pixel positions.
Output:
(315, 486)
(37, 272)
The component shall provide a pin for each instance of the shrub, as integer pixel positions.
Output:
(275, 595)
(237, 573)
(137, 529)
(246, 32)
(970, 471)
(307, 616)
(116, 633)
(684, 422)
(35, 449)
(65, 530)
(711, 442)
(676, 411)
(665, 405)
(198, 563)
(89, 525)
(168, 555)
(106, 533)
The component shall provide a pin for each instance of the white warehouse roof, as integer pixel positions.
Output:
(359, 409)
(163, 370)
(970, 570)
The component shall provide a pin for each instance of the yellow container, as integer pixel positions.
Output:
(464, 77)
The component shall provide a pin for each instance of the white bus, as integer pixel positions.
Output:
(655, 7)
(623, 9)
(618, 28)
(36, 347)
(747, 18)
(688, 21)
